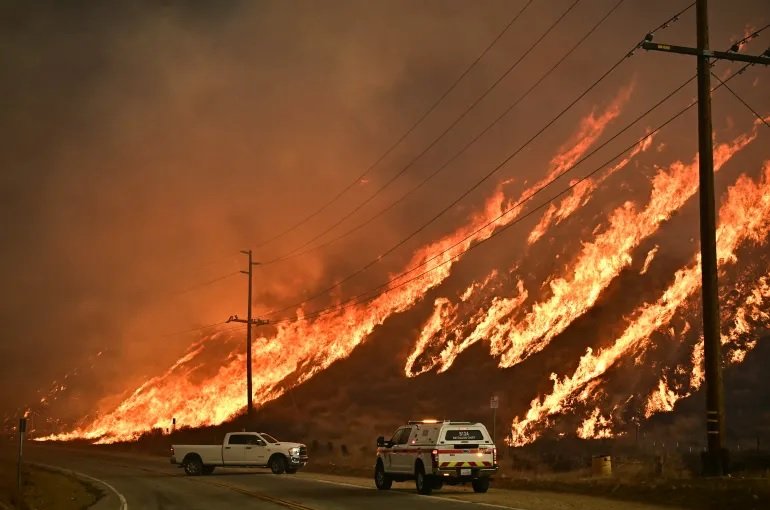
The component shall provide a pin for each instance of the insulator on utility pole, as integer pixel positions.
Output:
(715, 459)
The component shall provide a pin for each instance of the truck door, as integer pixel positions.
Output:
(234, 451)
(388, 454)
(403, 460)
(255, 452)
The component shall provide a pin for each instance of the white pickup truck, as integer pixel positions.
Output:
(241, 449)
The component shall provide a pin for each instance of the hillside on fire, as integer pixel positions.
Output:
(443, 207)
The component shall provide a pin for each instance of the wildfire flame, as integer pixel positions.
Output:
(284, 357)
(745, 216)
(598, 263)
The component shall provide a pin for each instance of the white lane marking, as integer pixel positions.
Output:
(121, 498)
(440, 498)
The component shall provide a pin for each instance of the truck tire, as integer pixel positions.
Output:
(278, 464)
(423, 482)
(382, 481)
(207, 470)
(193, 466)
(480, 484)
(291, 470)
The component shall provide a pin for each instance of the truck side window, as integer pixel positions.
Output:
(239, 439)
(404, 437)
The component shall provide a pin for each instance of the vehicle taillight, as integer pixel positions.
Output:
(494, 456)
(434, 458)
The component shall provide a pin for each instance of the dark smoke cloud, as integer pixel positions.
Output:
(142, 144)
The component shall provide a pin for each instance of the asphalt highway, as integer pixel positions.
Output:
(135, 482)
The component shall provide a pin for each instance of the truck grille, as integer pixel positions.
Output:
(303, 451)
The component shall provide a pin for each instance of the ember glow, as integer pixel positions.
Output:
(572, 294)
(541, 249)
(284, 358)
(287, 358)
(744, 217)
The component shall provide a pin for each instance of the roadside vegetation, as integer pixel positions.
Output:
(41, 489)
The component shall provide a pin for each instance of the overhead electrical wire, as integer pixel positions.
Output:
(365, 296)
(739, 98)
(403, 137)
(480, 181)
(368, 294)
(436, 140)
(204, 283)
(457, 154)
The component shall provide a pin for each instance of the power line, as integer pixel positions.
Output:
(739, 98)
(403, 136)
(436, 140)
(737, 44)
(455, 155)
(193, 330)
(480, 181)
(205, 283)
(362, 297)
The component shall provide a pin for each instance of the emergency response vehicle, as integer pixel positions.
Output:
(433, 453)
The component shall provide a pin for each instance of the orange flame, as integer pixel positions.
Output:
(595, 426)
(298, 350)
(598, 263)
(753, 310)
(580, 194)
(745, 216)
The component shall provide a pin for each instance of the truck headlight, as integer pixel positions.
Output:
(294, 451)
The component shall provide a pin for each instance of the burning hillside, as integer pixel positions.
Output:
(504, 310)
(538, 261)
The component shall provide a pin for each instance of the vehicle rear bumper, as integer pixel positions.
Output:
(456, 474)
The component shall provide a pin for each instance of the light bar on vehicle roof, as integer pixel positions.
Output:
(451, 422)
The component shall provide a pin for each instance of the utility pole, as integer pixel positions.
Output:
(715, 460)
(249, 321)
(22, 430)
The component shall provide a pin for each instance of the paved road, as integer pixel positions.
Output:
(150, 483)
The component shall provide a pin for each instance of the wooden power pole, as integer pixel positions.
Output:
(715, 460)
(250, 322)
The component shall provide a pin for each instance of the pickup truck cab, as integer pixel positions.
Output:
(241, 449)
(432, 453)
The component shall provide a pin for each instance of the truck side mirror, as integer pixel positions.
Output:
(381, 441)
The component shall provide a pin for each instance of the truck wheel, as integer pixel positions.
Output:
(278, 464)
(193, 466)
(291, 470)
(207, 470)
(422, 481)
(480, 484)
(381, 478)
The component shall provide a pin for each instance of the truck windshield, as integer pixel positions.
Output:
(269, 438)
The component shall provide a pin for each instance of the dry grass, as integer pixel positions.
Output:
(42, 489)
